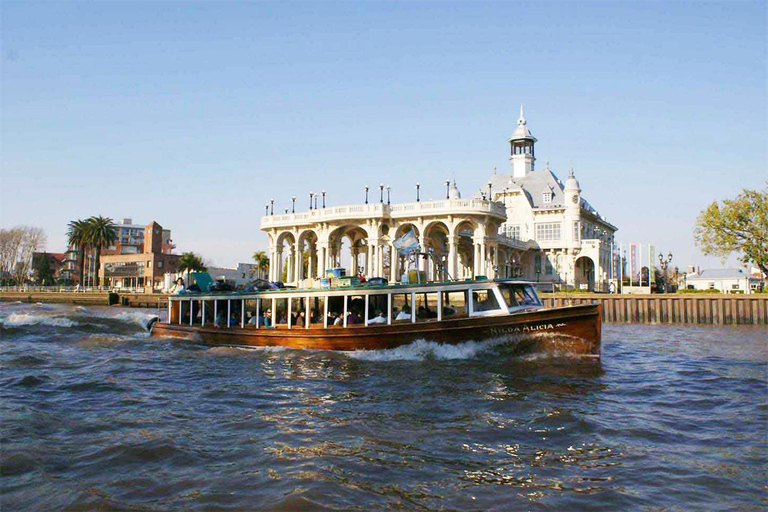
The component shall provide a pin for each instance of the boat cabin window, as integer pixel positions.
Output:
(517, 295)
(316, 311)
(280, 314)
(484, 300)
(426, 307)
(251, 316)
(401, 307)
(454, 305)
(355, 309)
(377, 310)
(335, 311)
(298, 312)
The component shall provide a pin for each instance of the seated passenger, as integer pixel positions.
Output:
(402, 315)
(353, 318)
(194, 287)
(300, 320)
(337, 320)
(178, 288)
(378, 319)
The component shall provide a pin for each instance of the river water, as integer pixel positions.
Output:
(98, 416)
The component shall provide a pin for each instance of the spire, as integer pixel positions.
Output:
(570, 174)
(521, 120)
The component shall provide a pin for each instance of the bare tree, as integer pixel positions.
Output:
(17, 246)
(10, 241)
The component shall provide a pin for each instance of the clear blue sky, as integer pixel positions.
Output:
(196, 114)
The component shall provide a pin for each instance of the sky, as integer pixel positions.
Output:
(196, 114)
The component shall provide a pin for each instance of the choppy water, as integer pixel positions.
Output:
(97, 416)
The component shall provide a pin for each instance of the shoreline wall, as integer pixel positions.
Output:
(715, 309)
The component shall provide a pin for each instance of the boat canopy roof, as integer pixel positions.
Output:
(360, 288)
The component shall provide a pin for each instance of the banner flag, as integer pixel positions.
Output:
(632, 263)
(407, 243)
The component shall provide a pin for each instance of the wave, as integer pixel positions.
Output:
(421, 350)
(74, 317)
(27, 319)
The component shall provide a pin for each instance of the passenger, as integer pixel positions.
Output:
(268, 319)
(300, 320)
(194, 287)
(178, 288)
(402, 315)
(337, 320)
(378, 319)
(353, 318)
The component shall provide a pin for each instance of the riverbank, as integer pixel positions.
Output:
(715, 308)
(90, 298)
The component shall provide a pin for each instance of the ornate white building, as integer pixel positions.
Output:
(526, 224)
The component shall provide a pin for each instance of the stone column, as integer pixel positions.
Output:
(297, 265)
(453, 252)
(394, 258)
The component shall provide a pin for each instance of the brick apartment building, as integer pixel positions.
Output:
(142, 269)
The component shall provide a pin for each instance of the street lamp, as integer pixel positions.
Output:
(293, 204)
(272, 206)
(311, 194)
(388, 189)
(447, 189)
(490, 196)
(417, 192)
(664, 263)
(316, 201)
(323, 192)
(266, 209)
(366, 195)
(381, 193)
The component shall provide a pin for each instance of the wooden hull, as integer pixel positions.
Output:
(567, 331)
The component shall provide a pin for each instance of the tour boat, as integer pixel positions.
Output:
(368, 316)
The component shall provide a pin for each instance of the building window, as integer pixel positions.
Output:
(548, 231)
(512, 232)
(547, 196)
(149, 264)
(735, 286)
(711, 286)
(576, 231)
(159, 264)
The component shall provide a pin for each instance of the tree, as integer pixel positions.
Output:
(100, 232)
(77, 238)
(262, 262)
(738, 225)
(191, 262)
(32, 239)
(10, 241)
(43, 270)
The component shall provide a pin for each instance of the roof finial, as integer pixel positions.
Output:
(522, 117)
(570, 174)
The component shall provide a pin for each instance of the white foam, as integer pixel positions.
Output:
(421, 350)
(24, 319)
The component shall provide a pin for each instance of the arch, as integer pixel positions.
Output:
(584, 272)
(466, 233)
(306, 255)
(435, 241)
(357, 241)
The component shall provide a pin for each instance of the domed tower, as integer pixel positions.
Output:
(572, 193)
(521, 144)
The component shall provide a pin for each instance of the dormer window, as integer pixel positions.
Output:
(547, 197)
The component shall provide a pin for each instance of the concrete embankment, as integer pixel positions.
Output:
(684, 308)
(139, 300)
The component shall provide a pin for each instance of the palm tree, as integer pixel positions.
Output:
(77, 231)
(191, 262)
(100, 233)
(262, 261)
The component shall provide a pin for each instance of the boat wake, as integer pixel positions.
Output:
(36, 317)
